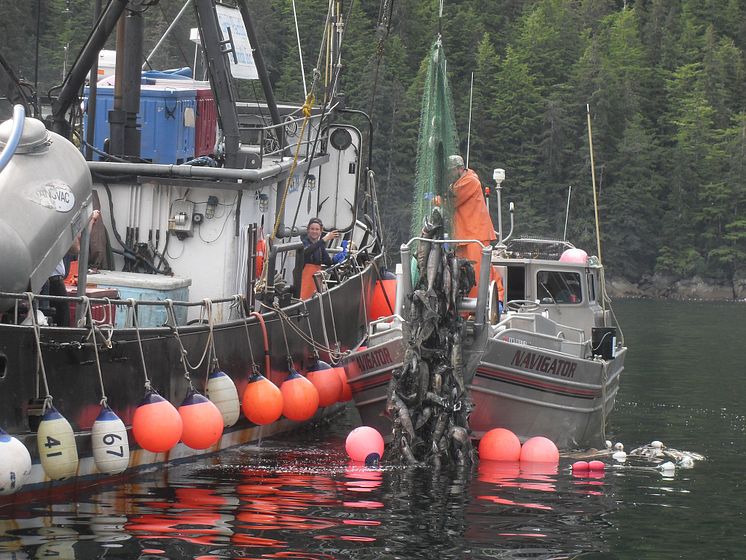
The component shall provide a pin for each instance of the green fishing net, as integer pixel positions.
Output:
(437, 140)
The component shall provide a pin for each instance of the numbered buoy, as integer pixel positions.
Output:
(202, 421)
(56, 443)
(300, 399)
(156, 424)
(111, 449)
(364, 444)
(346, 394)
(262, 400)
(15, 464)
(326, 380)
(221, 390)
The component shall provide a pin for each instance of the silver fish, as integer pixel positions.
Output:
(427, 412)
(433, 264)
(403, 414)
(406, 452)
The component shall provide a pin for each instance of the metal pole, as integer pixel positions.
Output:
(163, 37)
(468, 133)
(567, 212)
(90, 137)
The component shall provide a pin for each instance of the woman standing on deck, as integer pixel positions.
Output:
(314, 254)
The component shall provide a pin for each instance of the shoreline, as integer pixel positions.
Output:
(668, 288)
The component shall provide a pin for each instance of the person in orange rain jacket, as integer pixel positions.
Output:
(471, 218)
(314, 254)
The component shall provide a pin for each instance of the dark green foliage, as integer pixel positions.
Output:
(664, 80)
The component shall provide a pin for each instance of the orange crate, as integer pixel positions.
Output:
(101, 311)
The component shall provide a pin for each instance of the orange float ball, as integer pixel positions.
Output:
(346, 394)
(300, 399)
(262, 400)
(364, 444)
(539, 450)
(156, 424)
(203, 422)
(597, 465)
(580, 466)
(500, 444)
(326, 380)
(384, 297)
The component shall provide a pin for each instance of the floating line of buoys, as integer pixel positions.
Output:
(327, 382)
(111, 449)
(221, 390)
(365, 444)
(201, 420)
(501, 444)
(15, 463)
(300, 399)
(262, 401)
(56, 444)
(156, 424)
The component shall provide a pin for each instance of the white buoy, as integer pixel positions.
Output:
(656, 444)
(619, 456)
(15, 464)
(619, 446)
(111, 449)
(221, 390)
(667, 468)
(56, 443)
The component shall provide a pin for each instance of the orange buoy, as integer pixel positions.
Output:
(260, 248)
(539, 450)
(384, 297)
(326, 380)
(364, 444)
(300, 399)
(203, 422)
(346, 394)
(156, 424)
(596, 465)
(262, 400)
(500, 444)
(580, 466)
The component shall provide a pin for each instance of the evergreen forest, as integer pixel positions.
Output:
(664, 80)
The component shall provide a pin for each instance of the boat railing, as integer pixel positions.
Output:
(105, 302)
(536, 330)
(19, 120)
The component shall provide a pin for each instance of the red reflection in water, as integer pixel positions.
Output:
(522, 476)
(193, 518)
(362, 478)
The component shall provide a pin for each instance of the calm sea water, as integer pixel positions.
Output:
(685, 384)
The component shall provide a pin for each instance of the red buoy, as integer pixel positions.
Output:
(346, 394)
(500, 444)
(539, 450)
(384, 297)
(580, 466)
(364, 444)
(203, 422)
(156, 424)
(326, 380)
(597, 465)
(262, 400)
(300, 399)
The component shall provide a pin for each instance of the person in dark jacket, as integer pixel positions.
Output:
(314, 254)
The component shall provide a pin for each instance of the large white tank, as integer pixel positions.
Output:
(45, 199)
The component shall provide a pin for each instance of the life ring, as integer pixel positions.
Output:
(259, 250)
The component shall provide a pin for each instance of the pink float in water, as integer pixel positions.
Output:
(364, 444)
(539, 450)
(578, 466)
(500, 444)
(596, 465)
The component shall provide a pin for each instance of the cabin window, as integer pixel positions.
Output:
(558, 287)
(591, 280)
(516, 283)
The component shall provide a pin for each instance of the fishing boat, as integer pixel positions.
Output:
(545, 359)
(202, 296)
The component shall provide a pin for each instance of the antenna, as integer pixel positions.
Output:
(567, 212)
(468, 133)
